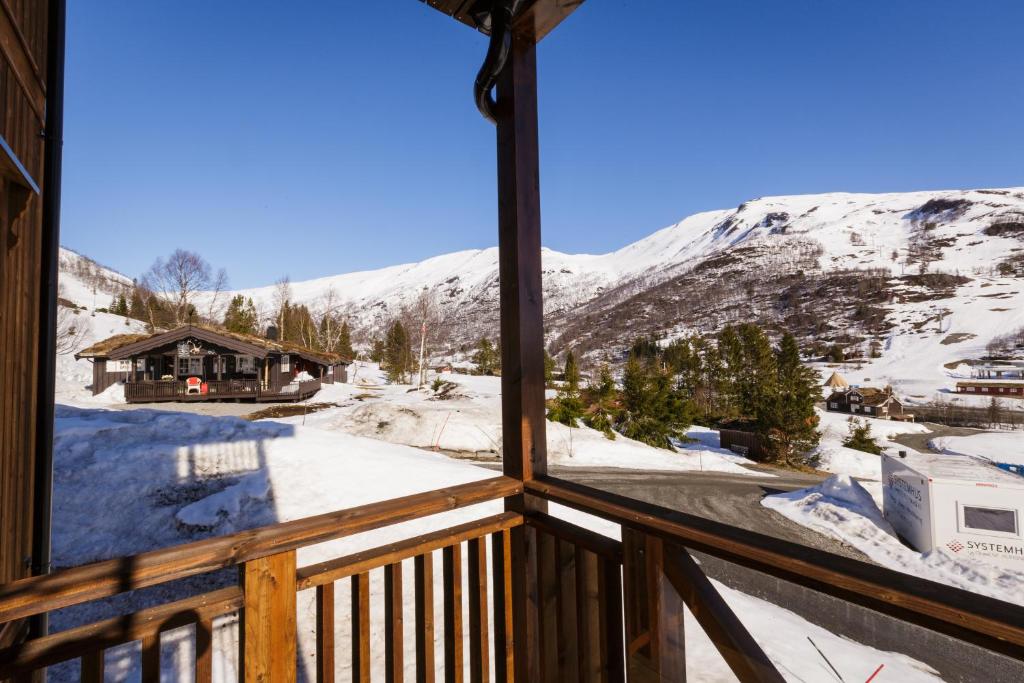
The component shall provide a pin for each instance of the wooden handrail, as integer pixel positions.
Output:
(75, 642)
(357, 563)
(40, 594)
(978, 619)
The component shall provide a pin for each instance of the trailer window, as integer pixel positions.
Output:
(990, 519)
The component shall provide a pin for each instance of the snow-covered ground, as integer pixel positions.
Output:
(129, 481)
(846, 510)
(464, 417)
(838, 459)
(75, 376)
(1001, 447)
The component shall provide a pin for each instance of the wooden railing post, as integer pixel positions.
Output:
(269, 619)
(654, 612)
(524, 440)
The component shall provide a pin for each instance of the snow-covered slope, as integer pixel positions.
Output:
(838, 231)
(86, 283)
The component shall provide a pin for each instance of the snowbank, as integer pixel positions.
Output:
(843, 509)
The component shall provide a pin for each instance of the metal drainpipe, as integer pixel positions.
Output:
(52, 152)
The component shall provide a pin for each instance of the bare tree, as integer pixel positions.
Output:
(72, 330)
(282, 298)
(179, 280)
(216, 302)
(429, 319)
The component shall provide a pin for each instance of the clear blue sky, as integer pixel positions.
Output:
(313, 138)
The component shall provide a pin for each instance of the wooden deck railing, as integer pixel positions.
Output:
(605, 610)
(174, 390)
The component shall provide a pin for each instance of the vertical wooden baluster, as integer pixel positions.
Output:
(151, 658)
(361, 628)
(393, 644)
(609, 581)
(655, 611)
(588, 617)
(452, 566)
(91, 670)
(568, 641)
(204, 651)
(501, 561)
(325, 633)
(424, 580)
(547, 580)
(269, 618)
(479, 643)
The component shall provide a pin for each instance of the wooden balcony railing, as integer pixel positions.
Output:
(604, 610)
(174, 390)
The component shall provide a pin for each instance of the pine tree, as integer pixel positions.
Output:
(345, 341)
(120, 305)
(567, 407)
(860, 438)
(791, 423)
(241, 316)
(653, 411)
(486, 357)
(398, 359)
(549, 368)
(601, 400)
(377, 351)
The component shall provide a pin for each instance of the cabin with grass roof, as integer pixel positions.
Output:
(200, 363)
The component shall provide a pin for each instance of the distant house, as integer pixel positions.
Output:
(1001, 380)
(869, 401)
(199, 363)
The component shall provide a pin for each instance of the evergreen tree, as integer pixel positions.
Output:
(601, 399)
(398, 358)
(567, 407)
(120, 305)
(860, 437)
(345, 341)
(486, 357)
(652, 410)
(791, 424)
(549, 368)
(241, 316)
(377, 351)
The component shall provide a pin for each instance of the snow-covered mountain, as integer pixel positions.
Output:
(955, 232)
(931, 275)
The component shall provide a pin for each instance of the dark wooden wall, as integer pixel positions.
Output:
(103, 380)
(22, 93)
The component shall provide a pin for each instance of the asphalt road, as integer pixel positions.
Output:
(729, 498)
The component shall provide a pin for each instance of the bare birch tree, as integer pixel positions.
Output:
(179, 281)
(282, 299)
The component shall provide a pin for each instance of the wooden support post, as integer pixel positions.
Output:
(524, 447)
(424, 580)
(452, 567)
(654, 612)
(325, 633)
(394, 650)
(361, 628)
(269, 618)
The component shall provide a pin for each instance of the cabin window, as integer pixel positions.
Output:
(190, 366)
(246, 364)
(286, 363)
(999, 521)
(119, 366)
(833, 405)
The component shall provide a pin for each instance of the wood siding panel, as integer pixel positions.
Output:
(20, 264)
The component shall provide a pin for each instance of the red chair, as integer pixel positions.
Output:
(192, 385)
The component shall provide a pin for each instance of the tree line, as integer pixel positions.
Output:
(736, 378)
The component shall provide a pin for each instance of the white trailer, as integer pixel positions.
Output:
(964, 505)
